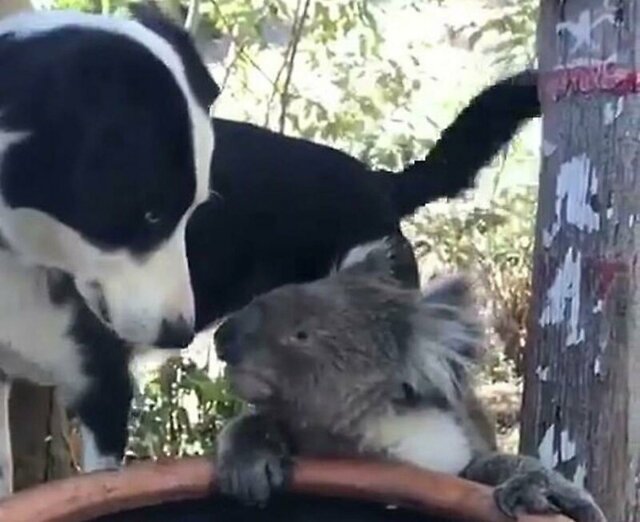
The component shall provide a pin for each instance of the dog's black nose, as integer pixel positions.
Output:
(176, 334)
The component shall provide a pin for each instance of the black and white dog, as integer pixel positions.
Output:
(105, 152)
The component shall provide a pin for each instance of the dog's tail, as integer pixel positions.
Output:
(469, 143)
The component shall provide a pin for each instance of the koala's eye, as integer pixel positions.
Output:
(301, 335)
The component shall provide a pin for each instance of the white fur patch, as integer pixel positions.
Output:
(430, 439)
(33, 333)
(359, 253)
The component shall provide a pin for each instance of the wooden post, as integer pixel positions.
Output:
(39, 435)
(38, 424)
(581, 407)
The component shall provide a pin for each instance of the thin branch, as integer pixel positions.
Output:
(295, 38)
(245, 55)
(283, 65)
(276, 82)
(229, 69)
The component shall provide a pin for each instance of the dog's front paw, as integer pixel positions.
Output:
(543, 492)
(252, 460)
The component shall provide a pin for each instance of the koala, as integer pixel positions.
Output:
(364, 364)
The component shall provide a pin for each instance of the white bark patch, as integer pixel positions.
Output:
(581, 30)
(566, 451)
(611, 113)
(545, 448)
(580, 476)
(542, 373)
(567, 448)
(563, 297)
(597, 367)
(577, 184)
(598, 306)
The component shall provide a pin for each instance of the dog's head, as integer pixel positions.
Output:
(105, 151)
(328, 352)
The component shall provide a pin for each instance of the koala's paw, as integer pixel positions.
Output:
(253, 477)
(541, 492)
(252, 463)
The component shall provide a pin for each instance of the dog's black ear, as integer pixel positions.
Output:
(203, 85)
(391, 256)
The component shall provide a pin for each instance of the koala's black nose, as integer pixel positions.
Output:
(232, 337)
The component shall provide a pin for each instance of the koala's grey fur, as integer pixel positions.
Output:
(358, 364)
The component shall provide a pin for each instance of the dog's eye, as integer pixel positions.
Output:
(152, 218)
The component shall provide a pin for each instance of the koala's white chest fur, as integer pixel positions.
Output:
(34, 339)
(431, 439)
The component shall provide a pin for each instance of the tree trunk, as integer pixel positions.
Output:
(581, 406)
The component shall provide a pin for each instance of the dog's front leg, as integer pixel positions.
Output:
(93, 459)
(103, 409)
(103, 413)
(6, 456)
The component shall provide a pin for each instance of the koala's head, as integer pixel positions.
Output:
(332, 351)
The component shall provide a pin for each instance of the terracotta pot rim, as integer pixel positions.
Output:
(85, 497)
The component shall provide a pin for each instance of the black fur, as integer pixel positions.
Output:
(287, 209)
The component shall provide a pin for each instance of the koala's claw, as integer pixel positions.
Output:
(529, 492)
(536, 492)
(253, 478)
(252, 459)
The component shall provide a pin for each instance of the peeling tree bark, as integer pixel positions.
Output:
(581, 407)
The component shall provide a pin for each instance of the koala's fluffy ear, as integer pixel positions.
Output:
(391, 256)
(448, 306)
(446, 340)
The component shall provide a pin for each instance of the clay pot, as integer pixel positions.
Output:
(86, 497)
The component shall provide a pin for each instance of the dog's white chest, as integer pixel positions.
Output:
(33, 332)
(431, 439)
